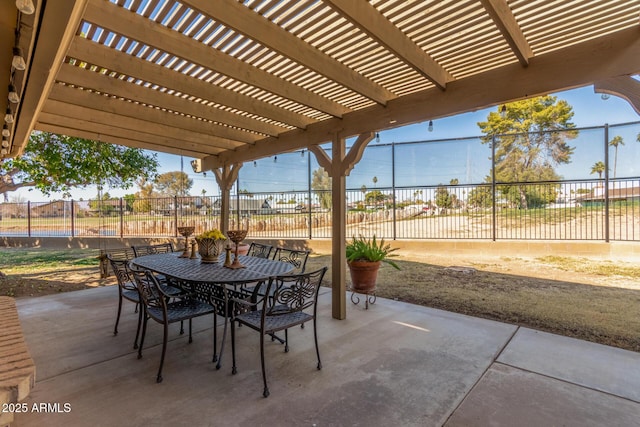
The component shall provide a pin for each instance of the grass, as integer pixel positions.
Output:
(586, 299)
(577, 297)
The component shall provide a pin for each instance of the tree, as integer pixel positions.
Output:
(480, 197)
(173, 184)
(321, 185)
(375, 180)
(443, 198)
(531, 140)
(598, 168)
(615, 142)
(53, 163)
(375, 197)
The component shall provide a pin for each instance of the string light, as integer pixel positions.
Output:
(5, 131)
(8, 117)
(503, 111)
(5, 143)
(430, 127)
(13, 94)
(25, 6)
(275, 159)
(377, 137)
(3, 151)
(18, 59)
(255, 164)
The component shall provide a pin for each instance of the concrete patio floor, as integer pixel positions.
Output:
(395, 364)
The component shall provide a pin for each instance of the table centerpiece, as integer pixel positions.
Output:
(210, 245)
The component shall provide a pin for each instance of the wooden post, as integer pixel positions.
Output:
(338, 167)
(225, 177)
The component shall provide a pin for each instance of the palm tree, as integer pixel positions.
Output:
(598, 168)
(615, 142)
(375, 180)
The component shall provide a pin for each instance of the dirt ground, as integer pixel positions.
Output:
(587, 299)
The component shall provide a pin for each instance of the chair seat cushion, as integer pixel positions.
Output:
(273, 323)
(182, 309)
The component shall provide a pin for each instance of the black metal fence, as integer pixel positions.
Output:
(584, 208)
(581, 210)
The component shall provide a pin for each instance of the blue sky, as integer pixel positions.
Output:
(469, 165)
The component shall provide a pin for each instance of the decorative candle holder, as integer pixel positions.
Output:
(236, 236)
(186, 232)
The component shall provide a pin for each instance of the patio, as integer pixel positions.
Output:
(395, 364)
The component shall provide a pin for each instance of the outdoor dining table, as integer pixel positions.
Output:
(213, 282)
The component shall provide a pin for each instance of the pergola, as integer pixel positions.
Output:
(230, 81)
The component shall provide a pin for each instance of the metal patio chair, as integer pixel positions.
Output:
(259, 250)
(158, 306)
(294, 302)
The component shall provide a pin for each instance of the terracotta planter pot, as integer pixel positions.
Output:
(363, 275)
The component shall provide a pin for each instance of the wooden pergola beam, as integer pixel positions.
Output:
(368, 19)
(129, 65)
(234, 15)
(505, 21)
(626, 87)
(579, 65)
(136, 27)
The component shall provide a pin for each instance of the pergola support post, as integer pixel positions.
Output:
(225, 177)
(338, 167)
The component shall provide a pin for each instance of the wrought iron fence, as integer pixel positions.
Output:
(408, 200)
(556, 210)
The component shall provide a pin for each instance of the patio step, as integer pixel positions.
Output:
(17, 370)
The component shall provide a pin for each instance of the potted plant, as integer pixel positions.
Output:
(364, 257)
(210, 245)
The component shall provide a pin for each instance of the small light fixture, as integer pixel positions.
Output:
(18, 60)
(5, 143)
(377, 137)
(275, 159)
(25, 6)
(3, 151)
(605, 96)
(255, 164)
(503, 111)
(13, 95)
(5, 131)
(430, 127)
(301, 153)
(8, 117)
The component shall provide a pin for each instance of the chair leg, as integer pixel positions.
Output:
(164, 351)
(224, 337)
(144, 332)
(234, 370)
(215, 337)
(286, 341)
(315, 338)
(135, 343)
(265, 393)
(115, 329)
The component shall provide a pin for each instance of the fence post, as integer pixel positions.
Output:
(393, 186)
(29, 218)
(309, 194)
(175, 216)
(121, 219)
(493, 189)
(73, 226)
(606, 182)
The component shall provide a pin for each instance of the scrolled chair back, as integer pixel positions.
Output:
(161, 248)
(297, 258)
(149, 289)
(293, 293)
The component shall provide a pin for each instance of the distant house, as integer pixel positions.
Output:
(248, 206)
(615, 195)
(53, 209)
